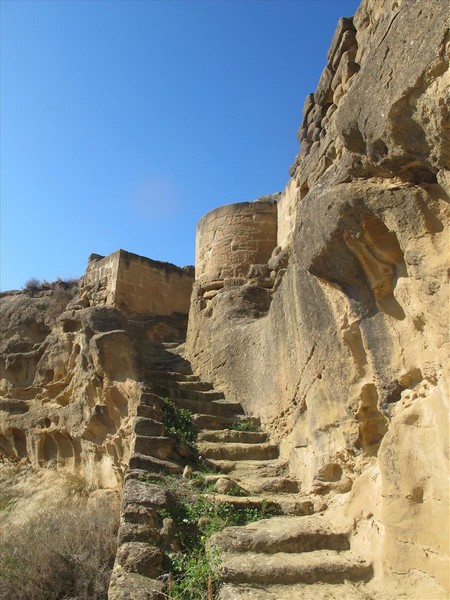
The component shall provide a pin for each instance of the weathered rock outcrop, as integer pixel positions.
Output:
(71, 373)
(339, 343)
(321, 312)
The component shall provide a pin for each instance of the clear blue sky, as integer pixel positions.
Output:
(123, 123)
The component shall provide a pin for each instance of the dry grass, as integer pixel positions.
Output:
(62, 292)
(54, 544)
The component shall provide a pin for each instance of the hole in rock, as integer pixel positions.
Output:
(5, 448)
(49, 449)
(71, 326)
(417, 494)
(20, 442)
(330, 472)
(372, 423)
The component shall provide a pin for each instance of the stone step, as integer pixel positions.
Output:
(205, 421)
(231, 435)
(170, 345)
(300, 591)
(172, 387)
(159, 447)
(220, 408)
(172, 375)
(164, 352)
(325, 566)
(191, 394)
(292, 504)
(202, 386)
(148, 426)
(152, 464)
(236, 451)
(242, 468)
(285, 505)
(165, 367)
(273, 485)
(168, 363)
(148, 398)
(283, 534)
(244, 501)
(150, 412)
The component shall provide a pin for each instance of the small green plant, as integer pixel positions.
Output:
(179, 423)
(192, 572)
(193, 568)
(244, 426)
(205, 486)
(236, 490)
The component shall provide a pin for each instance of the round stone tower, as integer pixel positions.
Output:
(231, 238)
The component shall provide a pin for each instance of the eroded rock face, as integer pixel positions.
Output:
(338, 343)
(71, 379)
(342, 350)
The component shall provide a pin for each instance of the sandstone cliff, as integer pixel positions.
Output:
(320, 312)
(338, 341)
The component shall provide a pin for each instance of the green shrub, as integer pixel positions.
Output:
(244, 426)
(191, 573)
(236, 490)
(179, 423)
(197, 519)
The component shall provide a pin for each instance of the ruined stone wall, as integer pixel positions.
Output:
(345, 360)
(232, 238)
(100, 278)
(137, 285)
(286, 212)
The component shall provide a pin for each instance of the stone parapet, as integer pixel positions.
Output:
(137, 285)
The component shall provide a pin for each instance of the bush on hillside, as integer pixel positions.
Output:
(59, 554)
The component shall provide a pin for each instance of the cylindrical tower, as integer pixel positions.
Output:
(233, 237)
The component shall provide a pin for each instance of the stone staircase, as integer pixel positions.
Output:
(289, 557)
(298, 555)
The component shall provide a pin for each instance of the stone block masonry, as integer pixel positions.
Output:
(232, 238)
(99, 282)
(137, 285)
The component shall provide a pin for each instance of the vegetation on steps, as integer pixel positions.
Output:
(179, 423)
(192, 569)
(244, 426)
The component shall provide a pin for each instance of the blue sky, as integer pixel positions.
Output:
(123, 123)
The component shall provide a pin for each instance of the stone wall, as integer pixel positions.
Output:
(232, 238)
(99, 280)
(148, 286)
(286, 213)
(137, 285)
